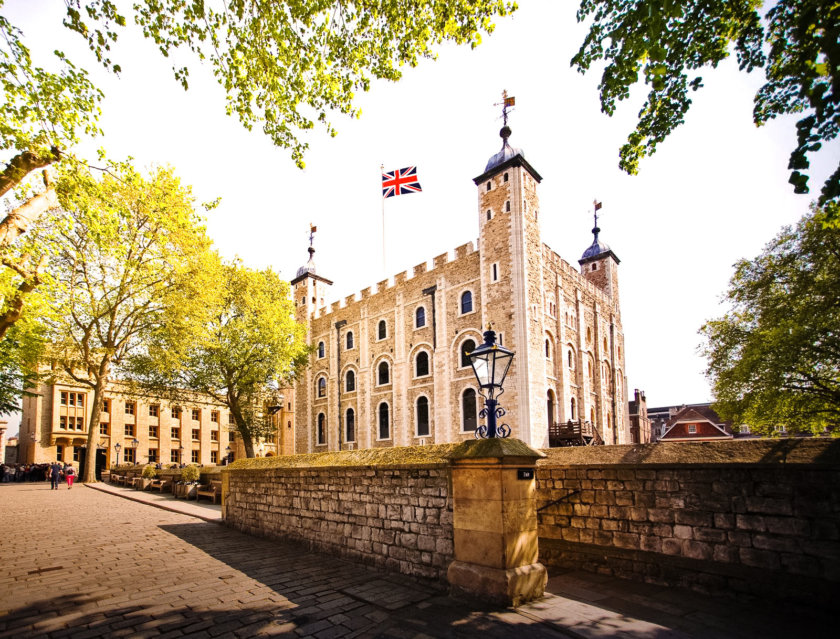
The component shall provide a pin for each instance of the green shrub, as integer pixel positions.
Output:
(190, 473)
(149, 472)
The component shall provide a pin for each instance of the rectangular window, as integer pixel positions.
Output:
(153, 432)
(153, 455)
(129, 408)
(64, 398)
(62, 422)
(175, 456)
(103, 428)
(231, 436)
(194, 456)
(494, 272)
(130, 456)
(129, 430)
(692, 428)
(176, 412)
(106, 405)
(196, 414)
(175, 433)
(214, 416)
(214, 456)
(214, 435)
(59, 451)
(195, 433)
(154, 410)
(77, 451)
(80, 423)
(231, 420)
(71, 399)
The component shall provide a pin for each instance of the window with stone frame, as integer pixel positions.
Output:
(196, 414)
(231, 419)
(214, 416)
(322, 387)
(153, 455)
(130, 455)
(466, 304)
(154, 410)
(62, 422)
(467, 347)
(214, 435)
(469, 410)
(350, 382)
(322, 350)
(422, 416)
(194, 456)
(196, 434)
(129, 408)
(106, 405)
(175, 456)
(153, 432)
(175, 432)
(349, 340)
(103, 428)
(421, 364)
(214, 456)
(129, 430)
(321, 430)
(176, 412)
(382, 329)
(59, 452)
(383, 374)
(384, 421)
(350, 425)
(420, 317)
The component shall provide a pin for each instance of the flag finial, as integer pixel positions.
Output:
(596, 205)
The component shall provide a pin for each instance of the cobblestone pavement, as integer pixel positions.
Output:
(84, 563)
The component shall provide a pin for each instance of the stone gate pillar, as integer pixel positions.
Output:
(495, 522)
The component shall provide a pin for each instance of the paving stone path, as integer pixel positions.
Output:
(84, 563)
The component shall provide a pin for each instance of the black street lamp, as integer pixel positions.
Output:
(118, 448)
(490, 363)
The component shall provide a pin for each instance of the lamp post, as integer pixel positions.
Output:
(117, 448)
(180, 454)
(135, 443)
(490, 363)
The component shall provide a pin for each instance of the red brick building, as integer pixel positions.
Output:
(696, 423)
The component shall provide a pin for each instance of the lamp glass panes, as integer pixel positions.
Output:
(490, 362)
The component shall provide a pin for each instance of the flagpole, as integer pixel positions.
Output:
(384, 270)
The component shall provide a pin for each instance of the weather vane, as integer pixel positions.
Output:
(506, 103)
(312, 230)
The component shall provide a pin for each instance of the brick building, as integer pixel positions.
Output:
(640, 430)
(389, 366)
(54, 426)
(698, 422)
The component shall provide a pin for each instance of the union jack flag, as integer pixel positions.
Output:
(400, 182)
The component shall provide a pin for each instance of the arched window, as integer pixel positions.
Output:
(350, 426)
(505, 179)
(571, 360)
(421, 364)
(322, 387)
(550, 406)
(420, 317)
(573, 407)
(383, 374)
(422, 417)
(467, 347)
(547, 349)
(321, 350)
(469, 410)
(350, 382)
(507, 206)
(384, 421)
(349, 340)
(382, 330)
(322, 429)
(466, 302)
(588, 335)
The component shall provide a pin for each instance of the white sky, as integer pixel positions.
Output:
(716, 190)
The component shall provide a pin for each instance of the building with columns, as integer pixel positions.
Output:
(389, 365)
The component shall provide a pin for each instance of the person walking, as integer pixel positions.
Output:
(70, 475)
(55, 471)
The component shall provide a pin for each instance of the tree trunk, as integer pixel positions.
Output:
(241, 426)
(22, 165)
(89, 472)
(18, 221)
(15, 306)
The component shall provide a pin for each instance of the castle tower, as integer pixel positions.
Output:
(511, 279)
(309, 290)
(599, 265)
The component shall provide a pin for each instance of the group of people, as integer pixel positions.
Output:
(55, 473)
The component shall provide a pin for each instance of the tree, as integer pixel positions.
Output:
(251, 347)
(670, 40)
(774, 358)
(131, 261)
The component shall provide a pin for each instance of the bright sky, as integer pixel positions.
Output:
(715, 192)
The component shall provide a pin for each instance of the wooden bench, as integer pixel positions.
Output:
(213, 491)
(118, 479)
(133, 481)
(160, 484)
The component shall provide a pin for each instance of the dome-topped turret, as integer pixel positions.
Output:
(309, 267)
(596, 248)
(506, 153)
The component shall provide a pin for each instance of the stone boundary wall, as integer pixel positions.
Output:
(394, 517)
(758, 527)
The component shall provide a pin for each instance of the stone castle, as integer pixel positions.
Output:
(389, 366)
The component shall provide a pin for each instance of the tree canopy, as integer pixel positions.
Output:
(250, 348)
(774, 358)
(668, 42)
(131, 261)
